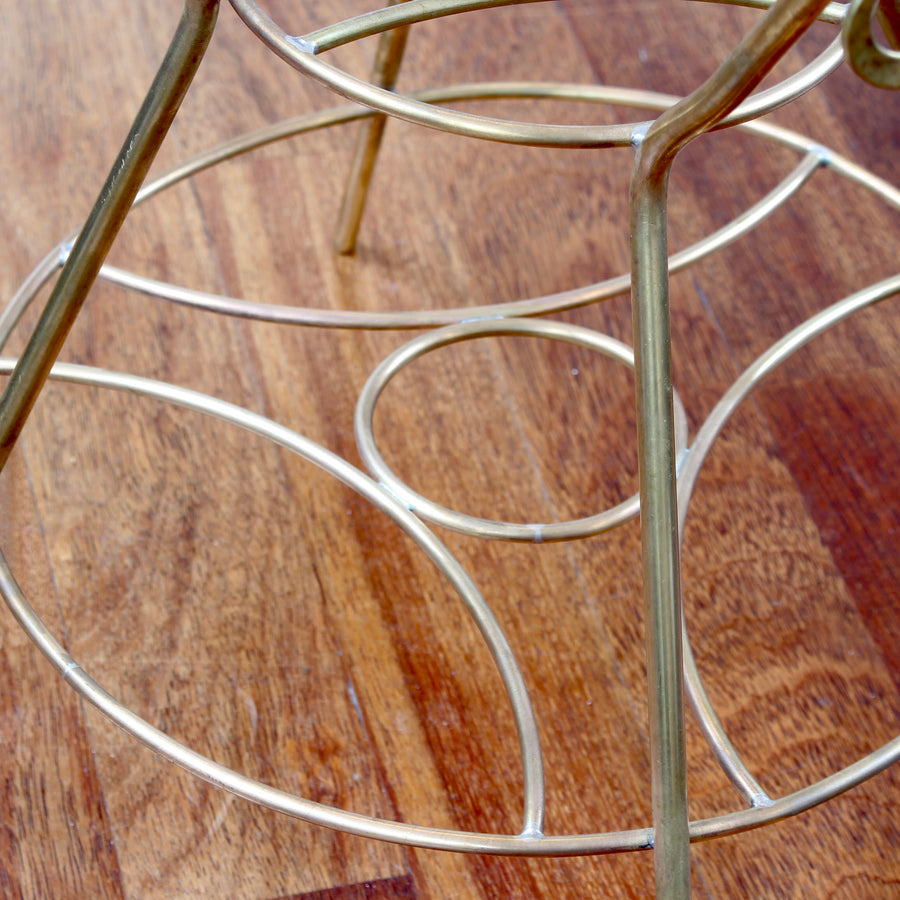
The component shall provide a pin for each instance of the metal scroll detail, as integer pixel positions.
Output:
(871, 60)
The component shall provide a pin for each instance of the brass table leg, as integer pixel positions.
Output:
(95, 239)
(391, 45)
(753, 58)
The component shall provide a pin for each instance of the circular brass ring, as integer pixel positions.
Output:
(473, 525)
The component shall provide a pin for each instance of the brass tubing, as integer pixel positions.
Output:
(388, 58)
(417, 835)
(753, 58)
(659, 537)
(93, 243)
(391, 16)
(301, 53)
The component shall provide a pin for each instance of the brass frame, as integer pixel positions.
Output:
(664, 495)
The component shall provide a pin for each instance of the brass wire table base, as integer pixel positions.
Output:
(669, 463)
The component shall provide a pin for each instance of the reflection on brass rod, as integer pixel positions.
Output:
(833, 12)
(664, 500)
(393, 16)
(93, 243)
(747, 65)
(388, 58)
(816, 155)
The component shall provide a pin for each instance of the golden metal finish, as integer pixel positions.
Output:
(877, 64)
(99, 232)
(384, 75)
(301, 52)
(815, 157)
(669, 469)
(674, 129)
(537, 533)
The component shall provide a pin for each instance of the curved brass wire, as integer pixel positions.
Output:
(875, 63)
(301, 53)
(815, 156)
(150, 127)
(474, 526)
(339, 468)
(525, 844)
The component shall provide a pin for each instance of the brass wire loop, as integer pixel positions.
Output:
(871, 60)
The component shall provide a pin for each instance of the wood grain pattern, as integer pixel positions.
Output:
(249, 605)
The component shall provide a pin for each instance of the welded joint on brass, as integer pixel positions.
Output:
(639, 133)
(480, 319)
(302, 44)
(69, 669)
(824, 155)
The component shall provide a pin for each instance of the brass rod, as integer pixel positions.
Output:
(385, 70)
(392, 16)
(659, 537)
(753, 58)
(300, 52)
(93, 243)
(418, 835)
(816, 156)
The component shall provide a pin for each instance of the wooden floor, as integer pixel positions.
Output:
(248, 605)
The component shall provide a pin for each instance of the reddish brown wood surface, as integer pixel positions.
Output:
(248, 605)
